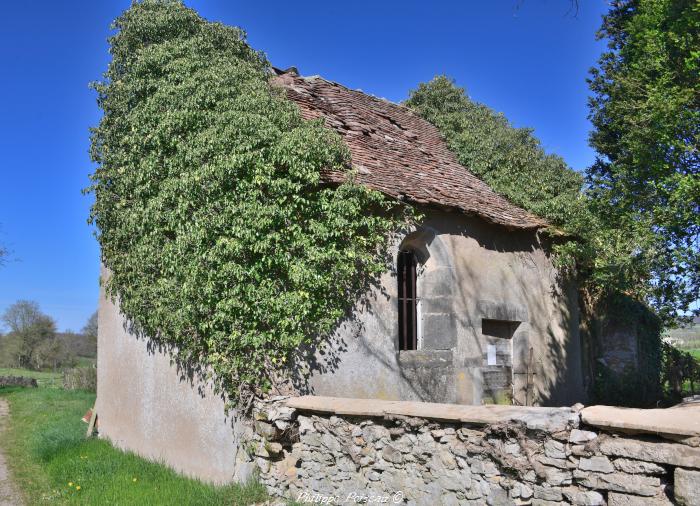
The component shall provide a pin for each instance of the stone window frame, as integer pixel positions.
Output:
(410, 328)
(436, 317)
(519, 341)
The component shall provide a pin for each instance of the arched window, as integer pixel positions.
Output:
(408, 301)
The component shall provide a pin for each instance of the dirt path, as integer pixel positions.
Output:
(8, 491)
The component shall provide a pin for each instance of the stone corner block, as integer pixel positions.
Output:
(686, 489)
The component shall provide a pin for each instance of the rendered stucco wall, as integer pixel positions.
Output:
(145, 406)
(470, 272)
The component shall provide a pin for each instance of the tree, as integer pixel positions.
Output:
(611, 249)
(28, 328)
(88, 346)
(25, 317)
(83, 344)
(645, 110)
(90, 328)
(11, 350)
(51, 354)
(222, 240)
(78, 344)
(511, 160)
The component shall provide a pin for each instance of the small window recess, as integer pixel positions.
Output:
(499, 341)
(410, 332)
(501, 329)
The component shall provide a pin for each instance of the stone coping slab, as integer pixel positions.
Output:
(537, 418)
(681, 420)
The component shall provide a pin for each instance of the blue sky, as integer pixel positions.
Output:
(526, 58)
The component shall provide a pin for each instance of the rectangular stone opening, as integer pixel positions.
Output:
(497, 369)
(502, 329)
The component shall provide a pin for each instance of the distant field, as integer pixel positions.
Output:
(688, 345)
(52, 461)
(687, 337)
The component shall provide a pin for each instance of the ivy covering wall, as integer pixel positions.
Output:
(223, 242)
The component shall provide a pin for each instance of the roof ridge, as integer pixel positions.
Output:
(359, 90)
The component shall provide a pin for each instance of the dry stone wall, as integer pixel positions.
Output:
(528, 457)
(17, 381)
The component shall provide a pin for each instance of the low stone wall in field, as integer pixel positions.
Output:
(330, 450)
(17, 381)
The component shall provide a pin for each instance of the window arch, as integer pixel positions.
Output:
(408, 300)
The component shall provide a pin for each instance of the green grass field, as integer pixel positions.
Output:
(52, 461)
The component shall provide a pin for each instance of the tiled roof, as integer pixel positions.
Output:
(398, 153)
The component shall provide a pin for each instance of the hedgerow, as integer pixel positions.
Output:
(223, 241)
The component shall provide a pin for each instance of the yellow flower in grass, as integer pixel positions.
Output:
(77, 487)
(70, 483)
(134, 480)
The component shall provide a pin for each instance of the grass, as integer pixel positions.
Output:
(50, 458)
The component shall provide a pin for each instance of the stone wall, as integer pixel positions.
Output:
(17, 381)
(331, 450)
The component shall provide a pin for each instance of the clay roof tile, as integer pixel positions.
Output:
(398, 153)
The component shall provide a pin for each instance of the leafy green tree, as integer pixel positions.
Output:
(221, 237)
(28, 328)
(90, 327)
(51, 354)
(511, 160)
(11, 350)
(612, 251)
(645, 110)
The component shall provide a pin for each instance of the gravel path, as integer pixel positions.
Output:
(8, 490)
